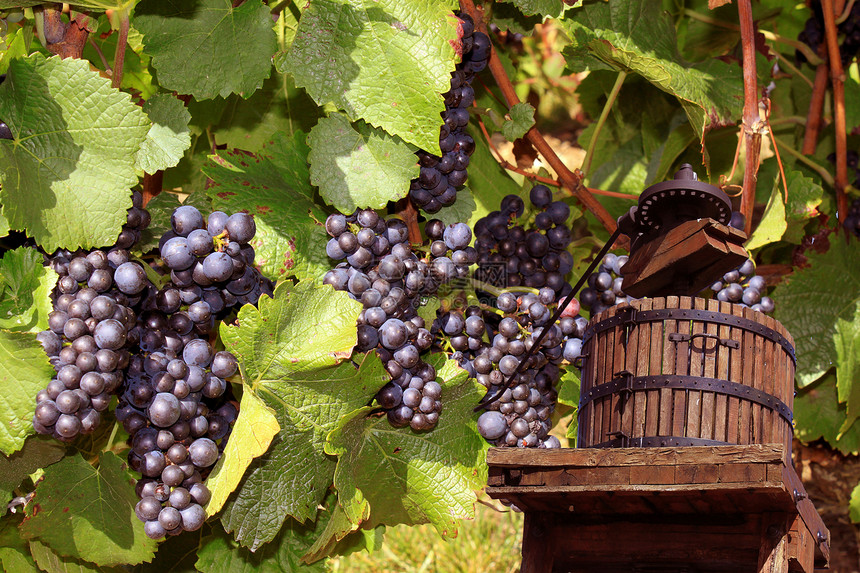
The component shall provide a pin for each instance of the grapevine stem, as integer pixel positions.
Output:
(152, 185)
(112, 436)
(837, 79)
(496, 291)
(572, 181)
(607, 107)
(101, 54)
(119, 57)
(410, 217)
(826, 176)
(785, 62)
(816, 109)
(539, 178)
(752, 124)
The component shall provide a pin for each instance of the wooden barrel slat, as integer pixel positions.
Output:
(695, 364)
(655, 365)
(618, 364)
(667, 396)
(710, 348)
(643, 368)
(627, 404)
(699, 351)
(723, 363)
(682, 366)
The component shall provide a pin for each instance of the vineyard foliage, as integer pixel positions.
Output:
(290, 110)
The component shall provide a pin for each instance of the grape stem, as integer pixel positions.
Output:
(837, 79)
(497, 291)
(119, 56)
(571, 181)
(753, 126)
(539, 178)
(409, 215)
(607, 107)
(816, 109)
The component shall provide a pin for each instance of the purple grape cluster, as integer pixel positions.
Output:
(813, 34)
(88, 337)
(742, 286)
(535, 255)
(380, 269)
(442, 176)
(113, 331)
(852, 219)
(604, 286)
(212, 261)
(521, 416)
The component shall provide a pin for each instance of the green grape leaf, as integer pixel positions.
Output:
(680, 138)
(250, 438)
(273, 187)
(508, 17)
(290, 353)
(384, 62)
(38, 452)
(813, 301)
(50, 562)
(25, 290)
(66, 174)
(551, 8)
(772, 225)
(88, 513)
(14, 47)
(222, 554)
(403, 476)
(568, 387)
(358, 166)
(160, 209)
(24, 370)
(459, 212)
(804, 197)
(178, 553)
(169, 136)
(639, 37)
(522, 120)
(208, 48)
(854, 505)
(279, 105)
(818, 414)
(338, 526)
(846, 339)
(14, 553)
(488, 181)
(428, 311)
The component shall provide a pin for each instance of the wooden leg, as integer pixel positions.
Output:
(537, 543)
(773, 552)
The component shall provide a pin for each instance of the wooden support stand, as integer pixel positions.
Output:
(684, 509)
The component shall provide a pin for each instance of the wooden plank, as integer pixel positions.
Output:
(586, 416)
(697, 473)
(682, 364)
(694, 368)
(594, 457)
(760, 375)
(652, 475)
(772, 426)
(654, 398)
(619, 360)
(667, 397)
(605, 348)
(735, 375)
(810, 516)
(627, 402)
(537, 553)
(748, 411)
(773, 551)
(709, 370)
(801, 547)
(637, 359)
(721, 372)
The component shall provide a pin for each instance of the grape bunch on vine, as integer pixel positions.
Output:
(276, 275)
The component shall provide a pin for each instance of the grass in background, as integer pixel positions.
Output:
(490, 542)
